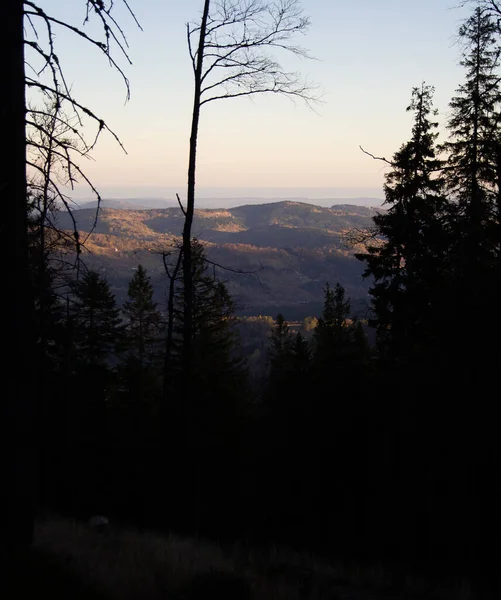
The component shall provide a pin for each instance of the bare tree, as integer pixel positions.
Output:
(232, 51)
(24, 25)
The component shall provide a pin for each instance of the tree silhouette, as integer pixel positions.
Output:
(474, 129)
(333, 333)
(229, 50)
(18, 409)
(142, 320)
(473, 169)
(96, 321)
(407, 258)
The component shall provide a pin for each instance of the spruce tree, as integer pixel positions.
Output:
(473, 149)
(474, 182)
(142, 320)
(301, 355)
(207, 411)
(280, 363)
(141, 356)
(406, 261)
(96, 321)
(280, 347)
(333, 336)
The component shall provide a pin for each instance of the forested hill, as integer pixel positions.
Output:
(293, 247)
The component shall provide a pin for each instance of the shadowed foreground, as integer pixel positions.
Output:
(70, 560)
(38, 574)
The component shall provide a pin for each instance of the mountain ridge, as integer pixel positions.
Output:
(291, 248)
(146, 202)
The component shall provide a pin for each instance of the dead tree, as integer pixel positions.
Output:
(231, 54)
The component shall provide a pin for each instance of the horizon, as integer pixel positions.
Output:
(156, 203)
(267, 142)
(337, 195)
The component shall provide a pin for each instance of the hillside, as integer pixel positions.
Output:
(293, 247)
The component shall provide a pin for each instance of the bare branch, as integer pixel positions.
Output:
(181, 205)
(53, 143)
(238, 38)
(230, 269)
(64, 199)
(376, 157)
(102, 125)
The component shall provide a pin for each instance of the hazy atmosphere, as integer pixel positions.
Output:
(368, 56)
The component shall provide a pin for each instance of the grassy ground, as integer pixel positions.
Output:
(72, 561)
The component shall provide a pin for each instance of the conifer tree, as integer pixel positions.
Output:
(141, 356)
(474, 182)
(280, 346)
(280, 363)
(206, 423)
(301, 355)
(334, 332)
(96, 321)
(142, 320)
(219, 374)
(406, 261)
(473, 149)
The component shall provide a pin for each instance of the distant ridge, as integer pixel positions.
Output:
(287, 249)
(127, 203)
(226, 203)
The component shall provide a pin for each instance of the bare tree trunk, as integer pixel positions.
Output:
(190, 205)
(16, 485)
(170, 322)
(188, 264)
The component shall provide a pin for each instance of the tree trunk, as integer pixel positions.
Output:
(190, 206)
(17, 406)
(170, 325)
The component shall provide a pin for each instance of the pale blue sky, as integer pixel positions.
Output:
(370, 55)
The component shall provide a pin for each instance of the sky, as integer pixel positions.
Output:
(368, 56)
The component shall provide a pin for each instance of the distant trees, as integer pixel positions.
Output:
(333, 333)
(280, 346)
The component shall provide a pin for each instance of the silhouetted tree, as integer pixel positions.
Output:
(21, 336)
(229, 54)
(142, 320)
(96, 321)
(280, 345)
(473, 170)
(140, 369)
(334, 332)
(206, 423)
(407, 258)
(474, 129)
